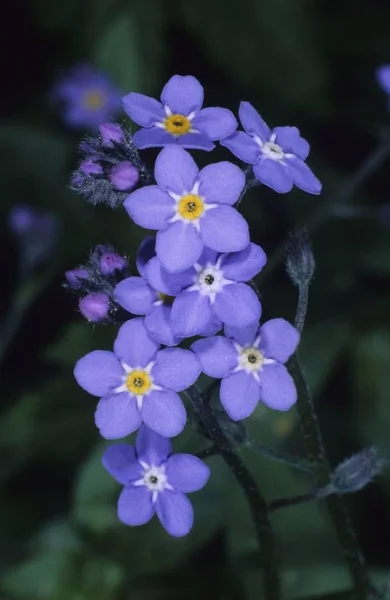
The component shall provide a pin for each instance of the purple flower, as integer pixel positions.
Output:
(217, 292)
(250, 363)
(138, 383)
(277, 156)
(124, 176)
(383, 78)
(88, 97)
(190, 209)
(155, 481)
(152, 295)
(95, 307)
(179, 117)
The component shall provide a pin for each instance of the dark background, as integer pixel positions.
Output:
(305, 63)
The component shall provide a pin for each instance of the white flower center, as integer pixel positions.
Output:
(137, 381)
(273, 151)
(154, 479)
(250, 359)
(209, 280)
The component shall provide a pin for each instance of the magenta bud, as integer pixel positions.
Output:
(111, 262)
(124, 176)
(111, 132)
(89, 167)
(75, 277)
(94, 307)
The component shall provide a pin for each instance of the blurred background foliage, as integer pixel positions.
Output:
(301, 62)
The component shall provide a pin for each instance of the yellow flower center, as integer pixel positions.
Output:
(191, 207)
(177, 124)
(165, 298)
(138, 382)
(94, 99)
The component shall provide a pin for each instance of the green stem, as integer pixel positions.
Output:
(292, 501)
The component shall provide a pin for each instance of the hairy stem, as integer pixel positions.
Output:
(257, 503)
(292, 501)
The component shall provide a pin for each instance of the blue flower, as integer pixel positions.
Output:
(179, 117)
(250, 362)
(190, 209)
(138, 383)
(87, 96)
(277, 156)
(217, 292)
(383, 78)
(155, 481)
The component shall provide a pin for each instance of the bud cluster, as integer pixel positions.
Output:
(94, 283)
(110, 168)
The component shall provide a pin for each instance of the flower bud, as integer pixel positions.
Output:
(124, 176)
(356, 472)
(94, 307)
(300, 264)
(111, 132)
(75, 277)
(111, 262)
(89, 167)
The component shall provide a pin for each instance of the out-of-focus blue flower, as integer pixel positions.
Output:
(277, 156)
(383, 78)
(190, 209)
(179, 117)
(155, 481)
(37, 233)
(250, 362)
(87, 97)
(138, 383)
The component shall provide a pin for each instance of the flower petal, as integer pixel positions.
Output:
(176, 369)
(121, 463)
(383, 77)
(175, 170)
(179, 246)
(277, 388)
(221, 183)
(134, 345)
(167, 283)
(195, 141)
(187, 473)
(153, 137)
(98, 372)
(237, 305)
(135, 295)
(117, 416)
(274, 174)
(245, 336)
(212, 327)
(158, 324)
(182, 94)
(289, 139)
(190, 313)
(217, 356)
(278, 339)
(146, 251)
(150, 207)
(240, 395)
(164, 412)
(216, 123)
(175, 513)
(152, 448)
(252, 122)
(224, 229)
(142, 109)
(243, 146)
(304, 177)
(244, 265)
(135, 506)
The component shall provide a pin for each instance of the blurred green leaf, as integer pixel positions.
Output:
(39, 577)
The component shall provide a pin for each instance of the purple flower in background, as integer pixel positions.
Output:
(155, 481)
(250, 363)
(190, 209)
(87, 96)
(277, 156)
(179, 117)
(138, 383)
(383, 78)
(217, 292)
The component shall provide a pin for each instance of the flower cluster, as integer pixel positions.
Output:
(194, 279)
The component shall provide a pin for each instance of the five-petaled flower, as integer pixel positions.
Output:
(250, 362)
(138, 383)
(179, 117)
(88, 97)
(277, 156)
(190, 209)
(155, 481)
